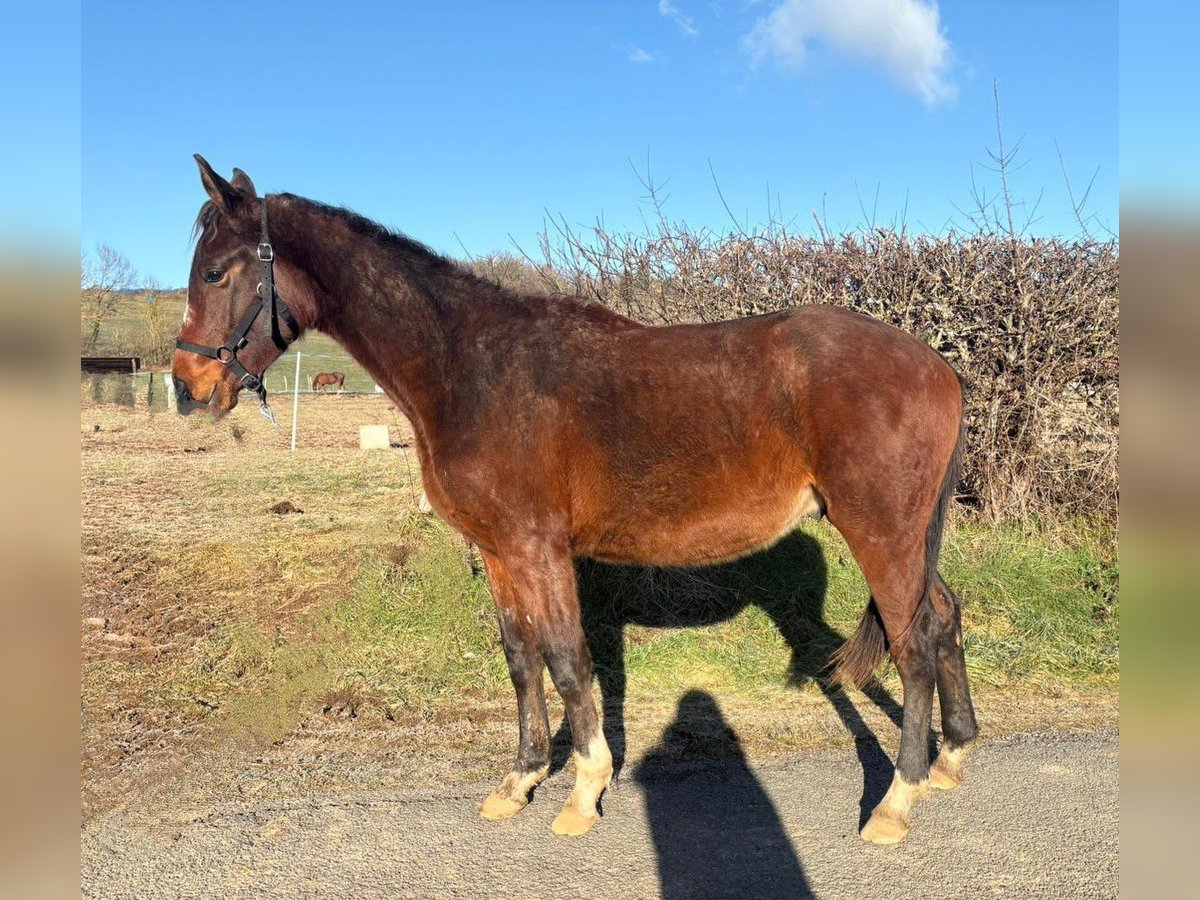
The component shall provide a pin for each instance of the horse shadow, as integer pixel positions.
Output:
(788, 582)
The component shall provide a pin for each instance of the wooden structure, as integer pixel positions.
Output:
(128, 365)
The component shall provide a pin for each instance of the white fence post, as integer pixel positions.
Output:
(295, 401)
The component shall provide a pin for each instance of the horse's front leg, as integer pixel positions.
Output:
(543, 578)
(525, 666)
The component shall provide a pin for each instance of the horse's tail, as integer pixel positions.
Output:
(857, 659)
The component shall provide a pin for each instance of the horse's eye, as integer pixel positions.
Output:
(212, 276)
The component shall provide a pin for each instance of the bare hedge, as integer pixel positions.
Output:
(1030, 324)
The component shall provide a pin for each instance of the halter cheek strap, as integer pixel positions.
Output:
(265, 296)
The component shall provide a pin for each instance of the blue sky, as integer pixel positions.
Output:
(466, 122)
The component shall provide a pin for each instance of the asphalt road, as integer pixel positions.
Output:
(1036, 817)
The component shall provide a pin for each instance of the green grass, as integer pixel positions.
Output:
(1037, 606)
(421, 631)
(416, 629)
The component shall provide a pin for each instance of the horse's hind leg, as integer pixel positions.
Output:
(895, 572)
(954, 693)
(525, 666)
(889, 821)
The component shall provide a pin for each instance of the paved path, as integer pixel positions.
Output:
(1037, 816)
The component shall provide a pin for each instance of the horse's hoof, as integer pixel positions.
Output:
(500, 806)
(883, 828)
(944, 779)
(946, 773)
(572, 822)
(512, 795)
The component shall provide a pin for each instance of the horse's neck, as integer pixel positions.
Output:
(410, 320)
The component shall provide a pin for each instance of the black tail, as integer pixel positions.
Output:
(856, 660)
(937, 521)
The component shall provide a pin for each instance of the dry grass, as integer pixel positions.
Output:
(191, 585)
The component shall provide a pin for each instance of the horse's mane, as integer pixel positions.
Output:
(410, 252)
(380, 235)
(394, 243)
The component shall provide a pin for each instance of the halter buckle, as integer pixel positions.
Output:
(266, 253)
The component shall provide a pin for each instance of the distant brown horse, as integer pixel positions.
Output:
(548, 428)
(324, 379)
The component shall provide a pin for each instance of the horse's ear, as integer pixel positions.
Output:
(241, 181)
(223, 194)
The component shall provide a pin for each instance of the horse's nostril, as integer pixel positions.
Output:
(183, 397)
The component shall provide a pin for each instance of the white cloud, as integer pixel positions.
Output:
(685, 22)
(638, 55)
(902, 37)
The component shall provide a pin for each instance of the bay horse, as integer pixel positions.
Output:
(324, 379)
(549, 428)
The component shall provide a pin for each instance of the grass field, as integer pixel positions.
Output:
(230, 648)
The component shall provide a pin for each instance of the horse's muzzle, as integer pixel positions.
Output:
(184, 402)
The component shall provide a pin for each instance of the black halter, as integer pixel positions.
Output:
(265, 294)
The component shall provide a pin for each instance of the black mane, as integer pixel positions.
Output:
(383, 237)
(394, 243)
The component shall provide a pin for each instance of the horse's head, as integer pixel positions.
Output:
(226, 273)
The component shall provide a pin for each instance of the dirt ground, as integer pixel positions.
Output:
(1037, 817)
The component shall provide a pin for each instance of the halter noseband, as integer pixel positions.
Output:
(265, 294)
